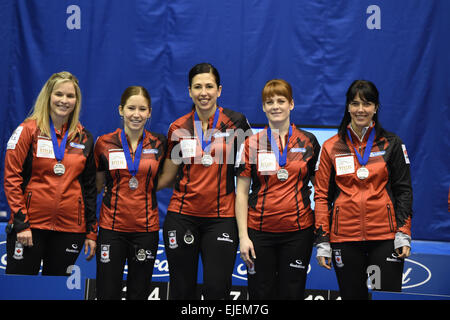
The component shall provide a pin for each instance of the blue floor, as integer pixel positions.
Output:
(430, 247)
(424, 276)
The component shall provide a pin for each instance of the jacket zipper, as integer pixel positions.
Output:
(363, 211)
(79, 211)
(27, 204)
(117, 198)
(336, 220)
(266, 180)
(391, 222)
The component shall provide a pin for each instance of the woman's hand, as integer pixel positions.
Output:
(403, 252)
(247, 251)
(89, 248)
(324, 262)
(25, 238)
(323, 254)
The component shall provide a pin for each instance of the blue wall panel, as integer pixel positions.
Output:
(319, 46)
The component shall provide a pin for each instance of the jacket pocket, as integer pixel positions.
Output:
(27, 203)
(79, 211)
(390, 218)
(336, 220)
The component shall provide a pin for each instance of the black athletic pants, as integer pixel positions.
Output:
(56, 250)
(215, 240)
(139, 249)
(367, 263)
(281, 264)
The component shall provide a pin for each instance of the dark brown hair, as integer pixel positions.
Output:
(367, 91)
(135, 91)
(204, 68)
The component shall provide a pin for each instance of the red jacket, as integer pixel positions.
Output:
(40, 199)
(123, 209)
(206, 191)
(350, 209)
(276, 206)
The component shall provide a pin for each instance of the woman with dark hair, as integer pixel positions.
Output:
(275, 221)
(50, 184)
(367, 90)
(128, 162)
(200, 165)
(363, 199)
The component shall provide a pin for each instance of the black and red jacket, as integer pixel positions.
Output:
(124, 209)
(40, 199)
(274, 205)
(207, 191)
(350, 209)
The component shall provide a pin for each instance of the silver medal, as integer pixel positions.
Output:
(207, 160)
(59, 169)
(282, 174)
(362, 173)
(133, 183)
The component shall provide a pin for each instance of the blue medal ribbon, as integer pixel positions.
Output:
(281, 159)
(198, 128)
(58, 150)
(133, 166)
(363, 160)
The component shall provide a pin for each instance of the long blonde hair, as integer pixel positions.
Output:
(41, 109)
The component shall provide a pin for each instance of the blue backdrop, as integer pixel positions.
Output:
(319, 46)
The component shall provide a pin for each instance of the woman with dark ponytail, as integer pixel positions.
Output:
(128, 162)
(363, 199)
(200, 166)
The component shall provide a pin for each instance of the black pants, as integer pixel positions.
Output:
(281, 264)
(367, 263)
(57, 251)
(215, 240)
(113, 249)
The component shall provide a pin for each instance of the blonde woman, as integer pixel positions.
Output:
(50, 184)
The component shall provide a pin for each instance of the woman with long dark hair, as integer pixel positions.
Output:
(363, 199)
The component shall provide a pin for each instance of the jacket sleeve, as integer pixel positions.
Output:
(324, 180)
(241, 135)
(162, 158)
(244, 124)
(243, 160)
(98, 149)
(89, 190)
(18, 149)
(316, 152)
(401, 186)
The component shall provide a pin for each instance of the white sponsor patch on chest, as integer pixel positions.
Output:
(345, 165)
